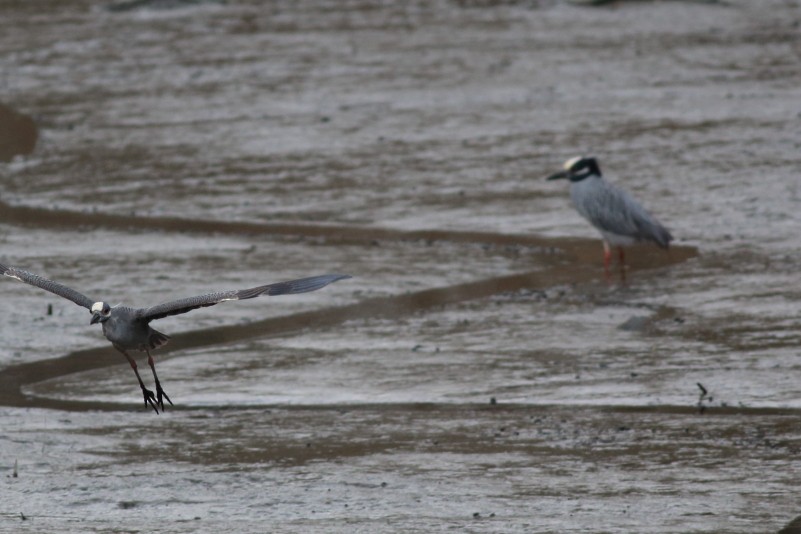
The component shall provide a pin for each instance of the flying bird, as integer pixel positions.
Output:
(620, 219)
(129, 329)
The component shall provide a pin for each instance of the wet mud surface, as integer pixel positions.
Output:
(18, 134)
(478, 373)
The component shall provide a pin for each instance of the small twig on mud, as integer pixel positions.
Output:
(703, 396)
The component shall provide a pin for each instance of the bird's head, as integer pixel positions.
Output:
(578, 168)
(101, 311)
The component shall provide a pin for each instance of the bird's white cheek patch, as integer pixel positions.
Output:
(97, 307)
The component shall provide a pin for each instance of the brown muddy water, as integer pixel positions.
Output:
(478, 373)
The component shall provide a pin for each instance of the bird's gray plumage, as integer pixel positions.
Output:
(619, 217)
(175, 307)
(129, 328)
(128, 331)
(48, 285)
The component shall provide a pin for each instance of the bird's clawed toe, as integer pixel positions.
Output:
(150, 399)
(156, 400)
(161, 395)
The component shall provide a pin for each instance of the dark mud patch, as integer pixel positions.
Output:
(18, 134)
(560, 261)
(584, 250)
(793, 527)
(14, 378)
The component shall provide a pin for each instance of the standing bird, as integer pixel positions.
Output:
(621, 220)
(129, 328)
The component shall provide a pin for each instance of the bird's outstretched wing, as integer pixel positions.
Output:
(302, 285)
(48, 285)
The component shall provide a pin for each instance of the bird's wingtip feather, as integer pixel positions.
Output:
(8, 271)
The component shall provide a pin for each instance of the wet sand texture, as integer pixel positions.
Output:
(477, 374)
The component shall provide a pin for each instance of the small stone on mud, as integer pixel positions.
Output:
(635, 323)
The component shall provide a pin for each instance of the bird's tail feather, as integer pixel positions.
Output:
(662, 236)
(157, 339)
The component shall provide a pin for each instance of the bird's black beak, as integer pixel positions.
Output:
(559, 175)
(95, 318)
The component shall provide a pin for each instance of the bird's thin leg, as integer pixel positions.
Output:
(159, 392)
(149, 397)
(622, 264)
(607, 257)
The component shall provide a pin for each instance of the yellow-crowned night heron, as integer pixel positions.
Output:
(620, 219)
(129, 328)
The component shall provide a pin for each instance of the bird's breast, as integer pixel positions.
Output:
(126, 332)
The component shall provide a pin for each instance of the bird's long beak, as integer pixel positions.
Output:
(559, 175)
(95, 318)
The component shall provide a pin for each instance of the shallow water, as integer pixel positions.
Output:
(478, 373)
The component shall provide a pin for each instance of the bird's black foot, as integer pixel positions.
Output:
(150, 399)
(160, 395)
